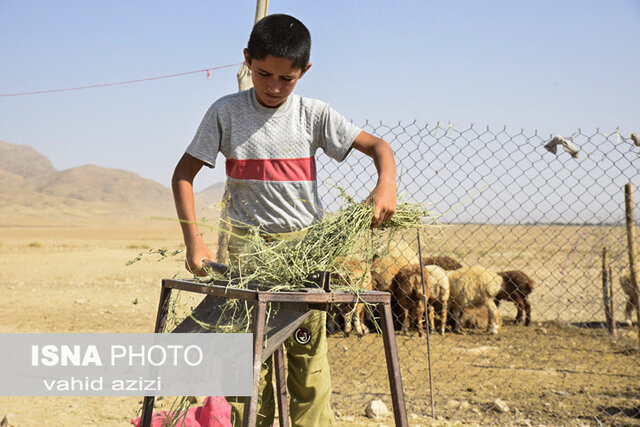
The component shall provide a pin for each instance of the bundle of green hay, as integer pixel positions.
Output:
(284, 264)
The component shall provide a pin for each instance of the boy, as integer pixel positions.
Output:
(269, 137)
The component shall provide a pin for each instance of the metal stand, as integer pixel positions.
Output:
(294, 308)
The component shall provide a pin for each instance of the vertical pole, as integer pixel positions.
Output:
(611, 308)
(426, 310)
(261, 9)
(605, 290)
(244, 74)
(631, 240)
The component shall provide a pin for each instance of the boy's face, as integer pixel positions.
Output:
(273, 78)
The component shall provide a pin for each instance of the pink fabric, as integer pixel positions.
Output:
(215, 412)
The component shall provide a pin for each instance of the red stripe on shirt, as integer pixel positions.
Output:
(301, 169)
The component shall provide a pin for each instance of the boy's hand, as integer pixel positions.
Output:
(197, 254)
(384, 203)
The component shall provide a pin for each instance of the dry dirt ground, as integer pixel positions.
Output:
(67, 275)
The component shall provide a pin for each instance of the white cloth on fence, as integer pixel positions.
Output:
(551, 146)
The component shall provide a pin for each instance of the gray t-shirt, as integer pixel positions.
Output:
(270, 156)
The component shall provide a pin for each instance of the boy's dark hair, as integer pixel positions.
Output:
(283, 36)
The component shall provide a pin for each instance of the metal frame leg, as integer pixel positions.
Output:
(281, 386)
(393, 365)
(250, 415)
(161, 320)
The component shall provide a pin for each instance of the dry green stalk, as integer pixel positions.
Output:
(272, 263)
(278, 264)
(283, 264)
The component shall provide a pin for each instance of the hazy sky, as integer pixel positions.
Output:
(554, 66)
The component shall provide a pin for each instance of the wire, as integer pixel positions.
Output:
(204, 70)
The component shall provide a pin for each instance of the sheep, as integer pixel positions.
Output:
(406, 288)
(438, 294)
(445, 262)
(386, 264)
(381, 275)
(355, 272)
(475, 318)
(393, 258)
(632, 297)
(516, 287)
(473, 287)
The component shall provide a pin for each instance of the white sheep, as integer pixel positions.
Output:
(439, 293)
(632, 297)
(472, 287)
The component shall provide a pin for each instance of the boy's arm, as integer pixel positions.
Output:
(182, 185)
(384, 194)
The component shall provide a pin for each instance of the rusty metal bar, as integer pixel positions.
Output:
(372, 297)
(308, 295)
(250, 415)
(217, 288)
(161, 320)
(281, 386)
(163, 309)
(279, 333)
(393, 364)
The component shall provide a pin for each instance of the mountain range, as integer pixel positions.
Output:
(31, 186)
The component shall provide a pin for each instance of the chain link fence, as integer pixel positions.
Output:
(506, 203)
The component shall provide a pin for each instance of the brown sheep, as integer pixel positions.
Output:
(395, 256)
(516, 287)
(382, 272)
(406, 288)
(444, 262)
(475, 318)
(352, 271)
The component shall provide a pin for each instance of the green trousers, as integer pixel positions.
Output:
(308, 382)
(308, 378)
